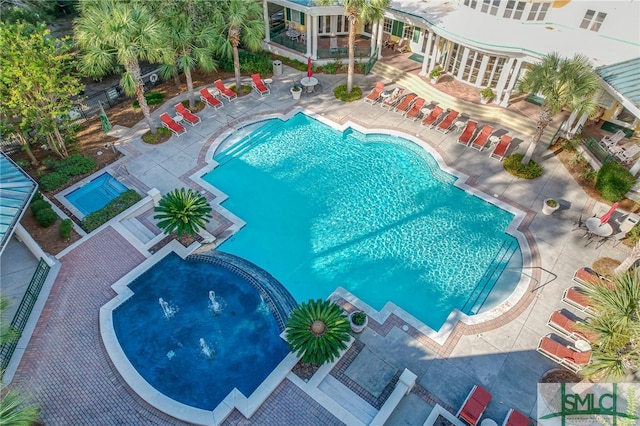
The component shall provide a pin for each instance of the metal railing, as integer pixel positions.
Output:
(592, 145)
(24, 310)
(343, 52)
(283, 40)
(371, 62)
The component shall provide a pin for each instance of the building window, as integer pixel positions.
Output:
(538, 11)
(416, 35)
(588, 22)
(514, 9)
(495, 4)
(386, 27)
(485, 6)
(471, 3)
(519, 10)
(408, 32)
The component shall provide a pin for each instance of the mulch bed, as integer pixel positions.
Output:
(560, 375)
(305, 371)
(185, 240)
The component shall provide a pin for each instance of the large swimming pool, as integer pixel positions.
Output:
(373, 214)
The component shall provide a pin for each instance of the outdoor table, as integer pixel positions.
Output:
(488, 422)
(268, 81)
(459, 125)
(293, 34)
(597, 228)
(309, 83)
(582, 345)
(214, 92)
(385, 94)
(178, 118)
(493, 139)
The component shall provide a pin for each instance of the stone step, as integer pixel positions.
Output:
(140, 231)
(348, 399)
(485, 113)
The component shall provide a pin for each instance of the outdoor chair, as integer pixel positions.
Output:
(626, 156)
(516, 418)
(405, 103)
(211, 100)
(414, 111)
(566, 356)
(258, 85)
(392, 100)
(401, 46)
(430, 119)
(569, 328)
(474, 406)
(175, 127)
(616, 238)
(481, 138)
(374, 95)
(225, 91)
(609, 141)
(445, 125)
(467, 133)
(501, 148)
(578, 300)
(187, 115)
(585, 276)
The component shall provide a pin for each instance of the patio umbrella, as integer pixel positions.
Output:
(605, 217)
(309, 70)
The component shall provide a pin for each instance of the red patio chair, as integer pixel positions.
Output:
(374, 95)
(414, 112)
(259, 86)
(211, 100)
(225, 91)
(187, 115)
(405, 103)
(577, 299)
(586, 276)
(392, 100)
(474, 406)
(430, 119)
(481, 138)
(516, 418)
(569, 328)
(467, 133)
(501, 149)
(168, 122)
(447, 122)
(566, 356)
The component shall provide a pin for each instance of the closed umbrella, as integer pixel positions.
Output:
(106, 125)
(607, 216)
(309, 70)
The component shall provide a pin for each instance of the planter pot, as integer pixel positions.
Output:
(485, 101)
(296, 93)
(434, 80)
(547, 209)
(357, 328)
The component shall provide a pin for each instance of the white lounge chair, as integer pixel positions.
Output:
(613, 140)
(626, 156)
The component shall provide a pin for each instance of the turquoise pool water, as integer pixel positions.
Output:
(96, 194)
(373, 214)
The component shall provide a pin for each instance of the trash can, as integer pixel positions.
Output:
(277, 67)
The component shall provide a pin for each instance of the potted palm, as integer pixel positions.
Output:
(486, 95)
(358, 321)
(435, 74)
(549, 206)
(296, 91)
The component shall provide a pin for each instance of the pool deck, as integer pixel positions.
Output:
(67, 371)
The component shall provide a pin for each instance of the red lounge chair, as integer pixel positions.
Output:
(467, 133)
(405, 103)
(432, 117)
(447, 122)
(187, 115)
(569, 328)
(373, 96)
(168, 122)
(259, 85)
(501, 149)
(211, 100)
(586, 276)
(568, 357)
(414, 112)
(481, 138)
(515, 418)
(224, 91)
(474, 406)
(575, 298)
(392, 100)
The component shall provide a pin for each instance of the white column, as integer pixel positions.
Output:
(583, 118)
(463, 62)
(448, 46)
(309, 20)
(566, 126)
(314, 37)
(636, 168)
(434, 53)
(504, 76)
(380, 33)
(482, 70)
(515, 75)
(427, 54)
(265, 13)
(374, 38)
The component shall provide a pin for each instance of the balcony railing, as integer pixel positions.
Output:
(341, 52)
(599, 152)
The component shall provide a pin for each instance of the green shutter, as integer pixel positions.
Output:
(301, 18)
(288, 13)
(396, 28)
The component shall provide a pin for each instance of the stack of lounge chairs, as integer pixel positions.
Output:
(476, 404)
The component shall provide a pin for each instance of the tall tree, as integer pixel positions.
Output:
(111, 32)
(37, 84)
(193, 41)
(358, 11)
(616, 353)
(564, 84)
(239, 21)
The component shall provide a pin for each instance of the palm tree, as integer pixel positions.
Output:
(563, 83)
(358, 11)
(193, 42)
(630, 260)
(616, 353)
(182, 211)
(239, 21)
(317, 331)
(111, 32)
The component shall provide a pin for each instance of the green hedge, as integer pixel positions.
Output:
(115, 207)
(153, 98)
(613, 181)
(53, 181)
(250, 63)
(38, 205)
(66, 226)
(73, 165)
(341, 93)
(513, 164)
(46, 217)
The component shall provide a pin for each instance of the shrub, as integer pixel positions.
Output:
(332, 67)
(46, 217)
(53, 181)
(634, 235)
(153, 98)
(613, 181)
(251, 63)
(163, 134)
(341, 93)
(358, 318)
(37, 196)
(513, 164)
(66, 226)
(76, 164)
(38, 205)
(115, 207)
(23, 163)
(436, 72)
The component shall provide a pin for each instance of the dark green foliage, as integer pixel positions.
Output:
(613, 181)
(153, 98)
(46, 217)
(37, 196)
(23, 163)
(294, 63)
(66, 226)
(359, 318)
(341, 93)
(250, 63)
(38, 205)
(182, 211)
(317, 331)
(162, 135)
(513, 164)
(111, 210)
(53, 181)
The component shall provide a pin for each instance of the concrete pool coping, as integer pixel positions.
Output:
(440, 336)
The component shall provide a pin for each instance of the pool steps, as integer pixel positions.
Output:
(138, 230)
(244, 145)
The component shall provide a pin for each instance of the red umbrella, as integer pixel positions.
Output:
(605, 217)
(309, 71)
